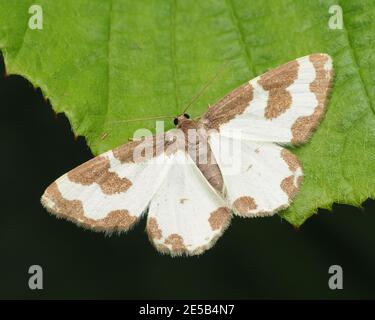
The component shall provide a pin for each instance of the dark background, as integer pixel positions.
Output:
(256, 258)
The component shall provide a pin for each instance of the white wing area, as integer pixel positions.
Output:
(264, 180)
(186, 215)
(145, 177)
(252, 123)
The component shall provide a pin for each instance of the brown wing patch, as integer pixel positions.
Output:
(289, 187)
(276, 82)
(243, 205)
(125, 152)
(97, 171)
(290, 159)
(118, 220)
(227, 108)
(61, 206)
(219, 218)
(153, 230)
(177, 243)
(302, 128)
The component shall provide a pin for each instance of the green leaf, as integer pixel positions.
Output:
(101, 61)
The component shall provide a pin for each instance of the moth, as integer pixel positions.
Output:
(189, 204)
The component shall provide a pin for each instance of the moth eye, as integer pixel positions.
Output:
(175, 121)
(186, 116)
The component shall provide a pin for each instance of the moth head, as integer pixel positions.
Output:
(181, 118)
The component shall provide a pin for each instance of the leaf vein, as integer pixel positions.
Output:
(108, 69)
(356, 64)
(241, 35)
(173, 51)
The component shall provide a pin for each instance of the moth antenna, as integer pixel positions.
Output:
(207, 84)
(141, 119)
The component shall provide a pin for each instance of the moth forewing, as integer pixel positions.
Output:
(283, 105)
(108, 193)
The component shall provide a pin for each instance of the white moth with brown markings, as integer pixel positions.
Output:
(189, 202)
